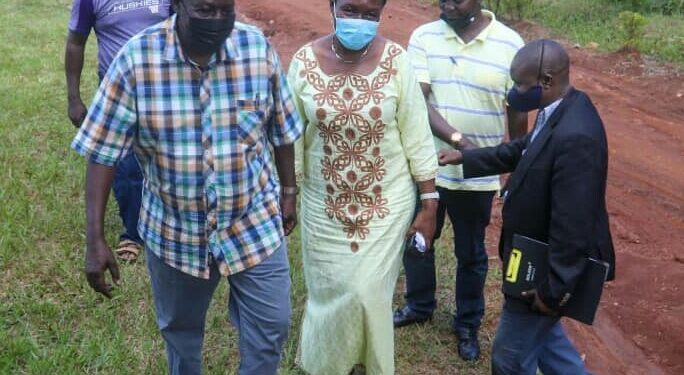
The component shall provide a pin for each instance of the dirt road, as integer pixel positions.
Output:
(640, 328)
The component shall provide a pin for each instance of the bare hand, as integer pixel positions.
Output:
(77, 112)
(445, 157)
(288, 207)
(425, 222)
(98, 260)
(537, 304)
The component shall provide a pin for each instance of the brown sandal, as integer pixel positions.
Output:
(128, 251)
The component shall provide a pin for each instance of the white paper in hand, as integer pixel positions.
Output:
(420, 242)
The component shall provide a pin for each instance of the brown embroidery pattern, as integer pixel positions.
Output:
(353, 165)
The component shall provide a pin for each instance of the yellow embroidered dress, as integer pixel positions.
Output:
(366, 140)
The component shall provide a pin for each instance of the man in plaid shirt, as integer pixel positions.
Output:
(202, 102)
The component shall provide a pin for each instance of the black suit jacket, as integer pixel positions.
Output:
(556, 193)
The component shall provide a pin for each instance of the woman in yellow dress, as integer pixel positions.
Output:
(367, 143)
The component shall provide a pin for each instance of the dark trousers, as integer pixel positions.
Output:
(469, 212)
(526, 341)
(127, 188)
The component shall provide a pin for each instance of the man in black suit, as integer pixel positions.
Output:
(555, 194)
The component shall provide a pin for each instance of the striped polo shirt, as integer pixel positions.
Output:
(469, 83)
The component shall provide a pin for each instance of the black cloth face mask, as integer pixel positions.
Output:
(458, 23)
(205, 35)
(532, 98)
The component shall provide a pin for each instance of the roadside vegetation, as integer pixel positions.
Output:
(652, 27)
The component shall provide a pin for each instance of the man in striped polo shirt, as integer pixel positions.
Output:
(462, 62)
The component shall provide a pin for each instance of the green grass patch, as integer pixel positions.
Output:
(586, 21)
(50, 320)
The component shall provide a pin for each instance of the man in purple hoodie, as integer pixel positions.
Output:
(114, 22)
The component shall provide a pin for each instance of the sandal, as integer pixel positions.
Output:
(128, 251)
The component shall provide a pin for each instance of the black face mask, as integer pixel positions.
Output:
(205, 35)
(532, 98)
(458, 23)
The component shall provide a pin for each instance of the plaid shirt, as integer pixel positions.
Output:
(203, 139)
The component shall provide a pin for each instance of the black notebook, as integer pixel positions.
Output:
(528, 268)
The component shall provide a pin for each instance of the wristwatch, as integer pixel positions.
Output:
(289, 190)
(456, 138)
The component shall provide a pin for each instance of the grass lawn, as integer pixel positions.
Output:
(587, 21)
(50, 320)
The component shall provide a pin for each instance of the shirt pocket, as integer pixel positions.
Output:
(239, 127)
(249, 121)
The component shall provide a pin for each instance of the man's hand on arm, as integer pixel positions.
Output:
(449, 157)
(284, 158)
(465, 144)
(73, 66)
(99, 257)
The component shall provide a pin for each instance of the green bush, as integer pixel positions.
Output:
(668, 6)
(632, 26)
(637, 5)
(515, 9)
(597, 22)
(650, 6)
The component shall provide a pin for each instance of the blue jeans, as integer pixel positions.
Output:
(127, 187)
(526, 341)
(469, 212)
(259, 308)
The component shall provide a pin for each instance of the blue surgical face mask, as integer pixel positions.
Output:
(355, 33)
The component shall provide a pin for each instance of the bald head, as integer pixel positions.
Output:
(541, 57)
(544, 63)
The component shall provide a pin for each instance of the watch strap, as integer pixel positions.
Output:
(289, 190)
(433, 195)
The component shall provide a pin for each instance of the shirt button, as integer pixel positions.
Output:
(206, 144)
(212, 221)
